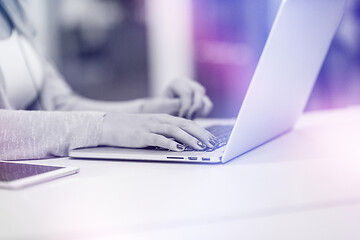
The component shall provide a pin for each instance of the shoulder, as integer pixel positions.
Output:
(5, 26)
(17, 10)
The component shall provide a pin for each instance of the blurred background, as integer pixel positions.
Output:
(126, 49)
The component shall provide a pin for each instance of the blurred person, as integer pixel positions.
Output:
(41, 117)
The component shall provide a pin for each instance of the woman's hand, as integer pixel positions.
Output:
(161, 105)
(193, 100)
(142, 130)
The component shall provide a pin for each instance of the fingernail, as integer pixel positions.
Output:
(213, 141)
(200, 144)
(180, 147)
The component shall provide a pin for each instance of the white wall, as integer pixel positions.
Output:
(170, 41)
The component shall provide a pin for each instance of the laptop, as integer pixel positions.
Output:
(279, 90)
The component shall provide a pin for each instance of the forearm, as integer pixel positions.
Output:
(38, 134)
(78, 103)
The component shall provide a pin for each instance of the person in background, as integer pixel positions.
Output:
(41, 117)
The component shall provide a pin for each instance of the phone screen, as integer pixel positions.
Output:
(15, 171)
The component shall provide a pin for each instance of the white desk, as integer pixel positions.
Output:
(303, 185)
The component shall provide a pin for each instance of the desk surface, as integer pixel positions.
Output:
(303, 185)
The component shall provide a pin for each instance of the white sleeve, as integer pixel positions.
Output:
(40, 134)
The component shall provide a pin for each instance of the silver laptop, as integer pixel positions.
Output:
(279, 90)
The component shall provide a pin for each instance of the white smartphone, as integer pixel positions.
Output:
(15, 175)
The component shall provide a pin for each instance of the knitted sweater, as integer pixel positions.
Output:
(53, 131)
(39, 134)
(56, 120)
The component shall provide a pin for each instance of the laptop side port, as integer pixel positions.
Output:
(175, 158)
(192, 158)
(206, 159)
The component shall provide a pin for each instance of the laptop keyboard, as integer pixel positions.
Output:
(221, 132)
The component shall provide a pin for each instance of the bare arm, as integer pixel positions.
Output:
(57, 95)
(183, 97)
